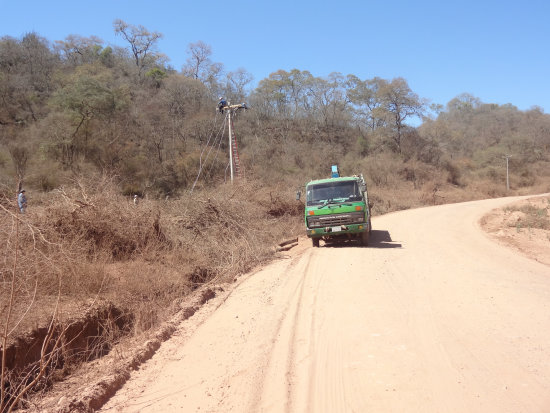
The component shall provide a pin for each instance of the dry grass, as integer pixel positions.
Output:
(87, 246)
(87, 242)
(533, 215)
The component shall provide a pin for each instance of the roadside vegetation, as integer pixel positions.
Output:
(85, 126)
(533, 215)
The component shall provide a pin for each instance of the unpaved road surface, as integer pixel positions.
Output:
(433, 317)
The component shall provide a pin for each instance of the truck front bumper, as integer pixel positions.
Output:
(337, 231)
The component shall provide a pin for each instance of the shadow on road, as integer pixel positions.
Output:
(382, 239)
(377, 239)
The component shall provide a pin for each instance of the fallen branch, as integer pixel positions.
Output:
(286, 247)
(288, 241)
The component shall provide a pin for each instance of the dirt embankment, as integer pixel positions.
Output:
(523, 226)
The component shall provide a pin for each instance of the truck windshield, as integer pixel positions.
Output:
(332, 192)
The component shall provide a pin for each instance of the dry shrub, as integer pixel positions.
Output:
(417, 172)
(454, 173)
(535, 216)
(88, 241)
(67, 243)
(279, 207)
(86, 245)
(434, 193)
(104, 222)
(231, 229)
(381, 170)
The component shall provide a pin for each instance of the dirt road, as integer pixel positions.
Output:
(433, 317)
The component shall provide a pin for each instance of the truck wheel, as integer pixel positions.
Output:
(315, 242)
(365, 238)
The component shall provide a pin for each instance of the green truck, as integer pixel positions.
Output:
(338, 209)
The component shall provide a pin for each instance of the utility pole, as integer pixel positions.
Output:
(231, 143)
(507, 173)
(229, 110)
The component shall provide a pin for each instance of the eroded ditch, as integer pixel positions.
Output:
(54, 350)
(91, 337)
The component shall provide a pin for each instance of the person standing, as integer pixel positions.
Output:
(22, 201)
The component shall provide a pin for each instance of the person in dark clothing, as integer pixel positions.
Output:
(221, 104)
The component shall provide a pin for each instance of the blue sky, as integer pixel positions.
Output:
(498, 51)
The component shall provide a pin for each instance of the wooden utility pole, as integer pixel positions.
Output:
(229, 110)
(507, 173)
(230, 144)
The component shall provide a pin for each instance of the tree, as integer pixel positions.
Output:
(184, 96)
(286, 94)
(236, 83)
(199, 66)
(77, 50)
(142, 42)
(399, 103)
(90, 100)
(329, 100)
(26, 71)
(464, 104)
(365, 99)
(198, 61)
(20, 156)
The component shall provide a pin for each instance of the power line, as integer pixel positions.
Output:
(208, 153)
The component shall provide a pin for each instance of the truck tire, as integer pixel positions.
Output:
(365, 238)
(315, 242)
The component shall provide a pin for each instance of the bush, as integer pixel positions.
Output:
(454, 173)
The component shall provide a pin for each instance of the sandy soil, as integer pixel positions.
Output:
(508, 227)
(433, 317)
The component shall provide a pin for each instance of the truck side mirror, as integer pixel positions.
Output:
(298, 195)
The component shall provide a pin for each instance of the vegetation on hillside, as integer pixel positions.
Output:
(79, 105)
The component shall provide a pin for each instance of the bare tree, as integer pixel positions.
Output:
(198, 60)
(237, 82)
(142, 42)
(26, 69)
(399, 104)
(199, 66)
(329, 100)
(77, 50)
(364, 98)
(20, 157)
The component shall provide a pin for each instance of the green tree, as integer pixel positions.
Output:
(90, 100)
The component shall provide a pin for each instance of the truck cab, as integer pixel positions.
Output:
(337, 209)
